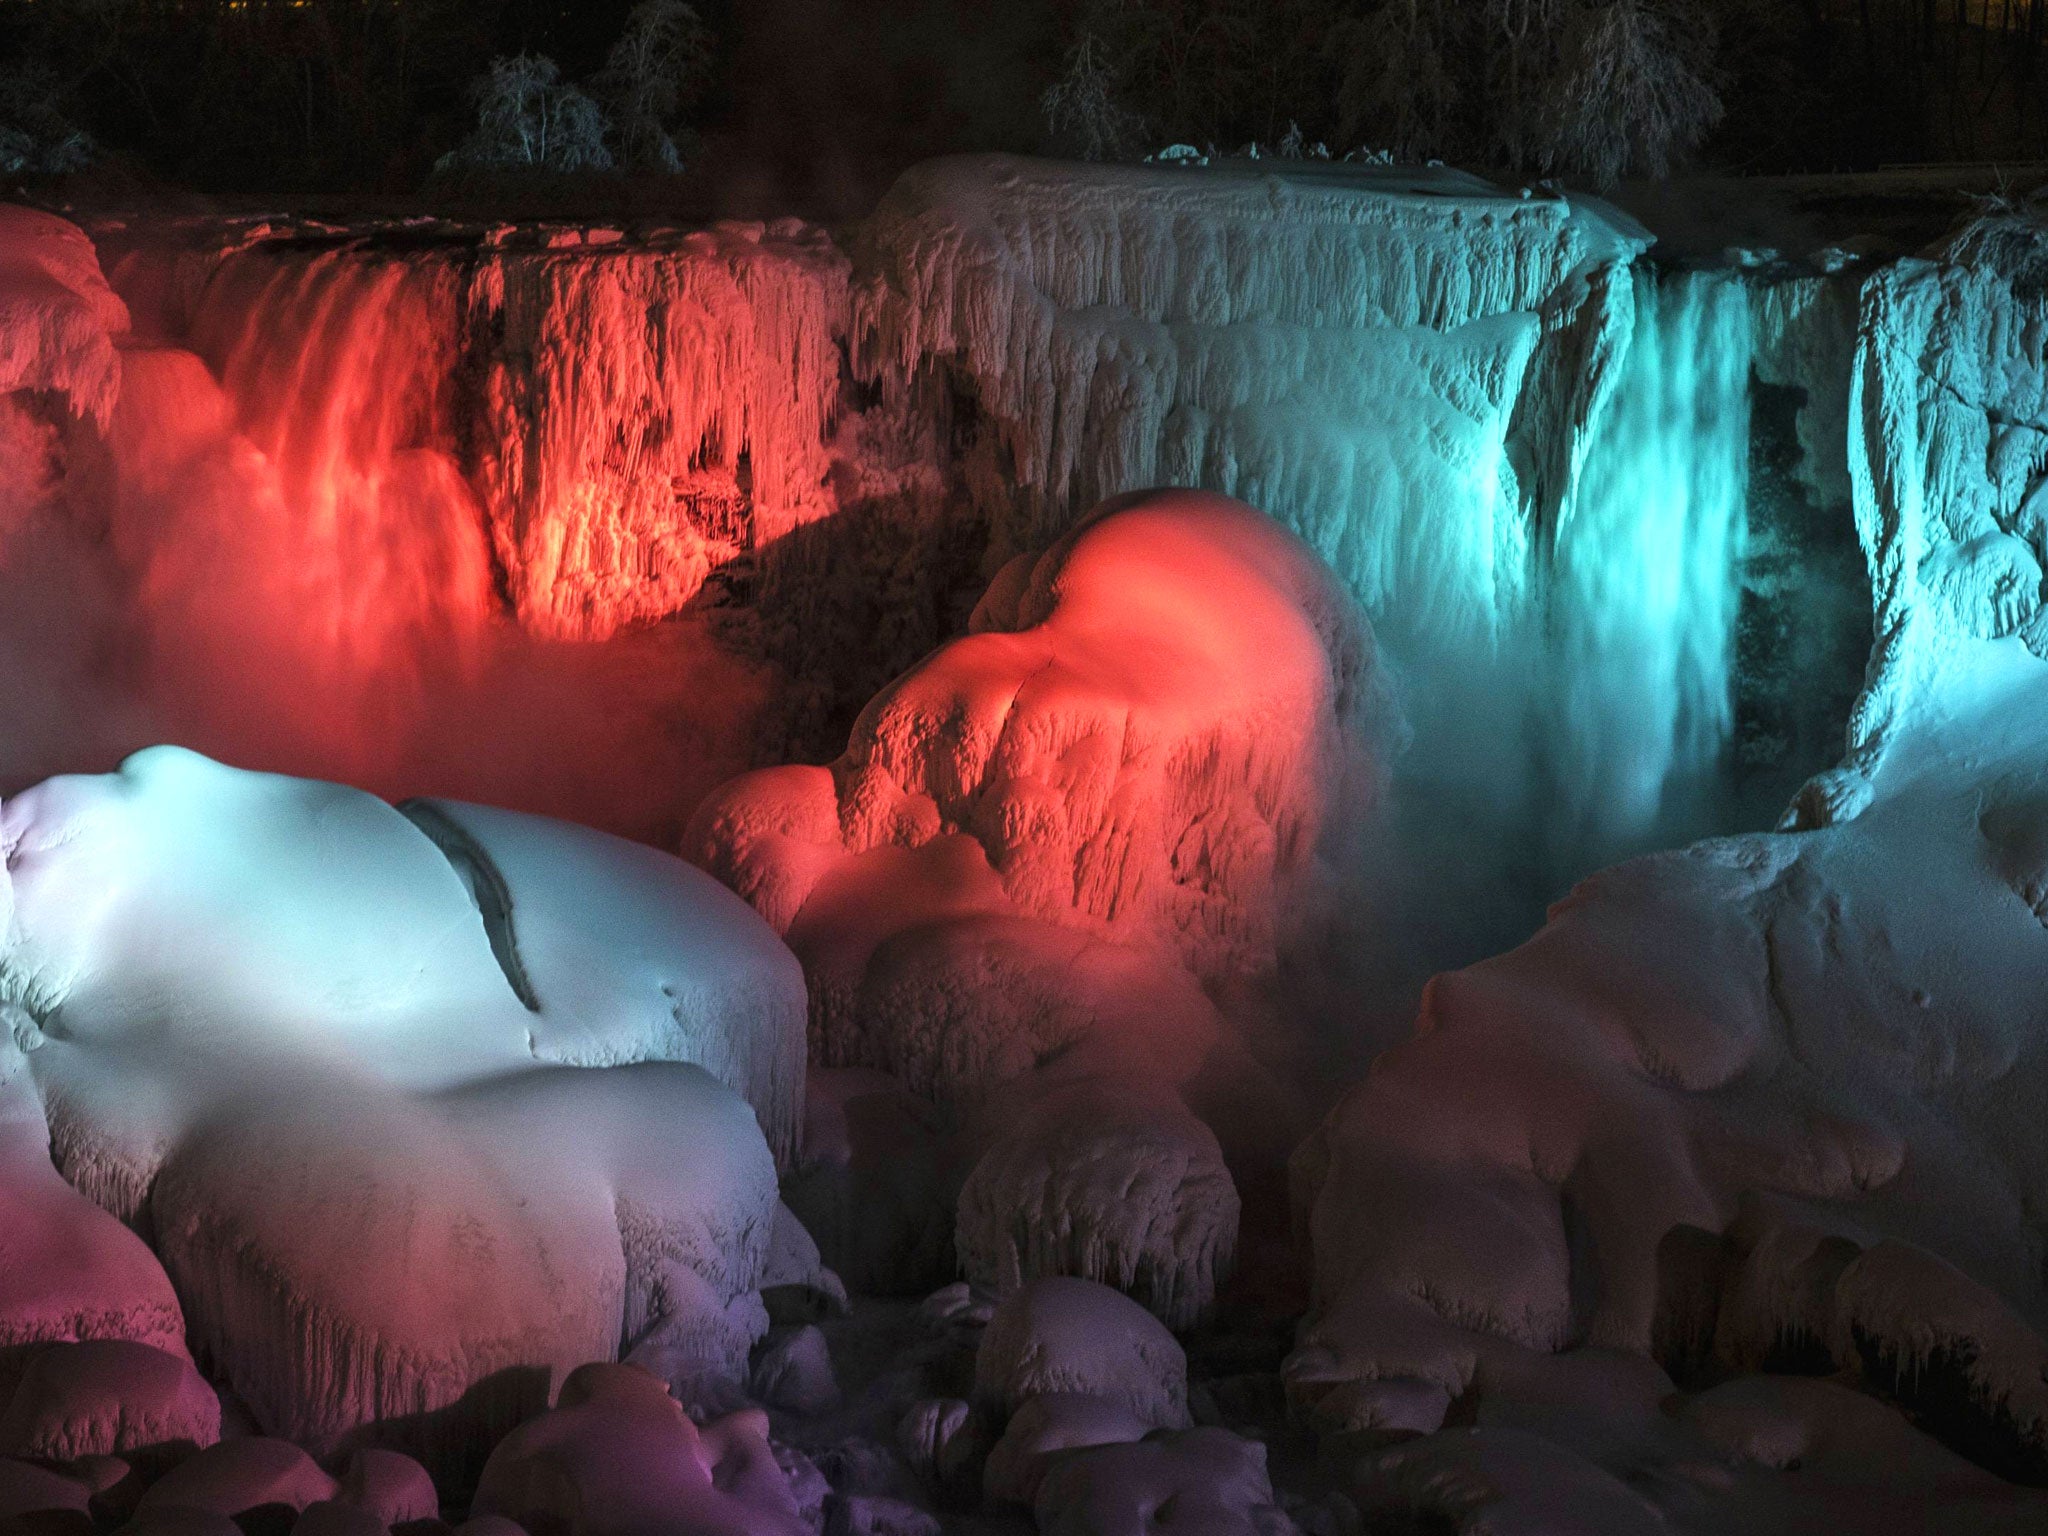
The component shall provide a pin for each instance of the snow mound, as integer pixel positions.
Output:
(1145, 737)
(1110, 1178)
(315, 1049)
(107, 1397)
(58, 317)
(1766, 1097)
(1075, 1336)
(565, 1214)
(1196, 1482)
(68, 1270)
(249, 915)
(618, 1455)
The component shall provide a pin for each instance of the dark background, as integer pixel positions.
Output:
(813, 105)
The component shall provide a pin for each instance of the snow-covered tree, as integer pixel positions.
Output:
(1082, 109)
(1633, 93)
(36, 138)
(529, 119)
(655, 69)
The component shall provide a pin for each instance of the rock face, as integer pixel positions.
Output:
(315, 1049)
(1043, 844)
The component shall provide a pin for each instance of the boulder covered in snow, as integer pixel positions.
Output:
(68, 1270)
(1075, 1336)
(108, 1397)
(218, 907)
(617, 1456)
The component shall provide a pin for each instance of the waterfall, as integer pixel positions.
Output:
(1637, 704)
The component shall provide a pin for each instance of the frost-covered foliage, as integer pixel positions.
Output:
(1633, 94)
(656, 69)
(36, 138)
(1081, 107)
(529, 119)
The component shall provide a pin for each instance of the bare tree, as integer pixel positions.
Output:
(1633, 93)
(528, 119)
(657, 67)
(1399, 88)
(1082, 108)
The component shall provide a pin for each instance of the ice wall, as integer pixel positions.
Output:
(1948, 460)
(617, 419)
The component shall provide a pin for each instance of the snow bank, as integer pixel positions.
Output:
(58, 317)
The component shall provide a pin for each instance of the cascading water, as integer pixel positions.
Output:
(1637, 708)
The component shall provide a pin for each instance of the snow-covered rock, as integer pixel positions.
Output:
(1194, 1482)
(68, 1270)
(1144, 738)
(108, 1397)
(1110, 1177)
(1075, 1336)
(1045, 1426)
(239, 1477)
(617, 1454)
(315, 1048)
(181, 897)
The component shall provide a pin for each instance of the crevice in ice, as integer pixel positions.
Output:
(487, 888)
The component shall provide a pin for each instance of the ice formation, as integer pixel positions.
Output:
(637, 415)
(1042, 843)
(312, 1046)
(1459, 396)
(58, 317)
(617, 1456)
